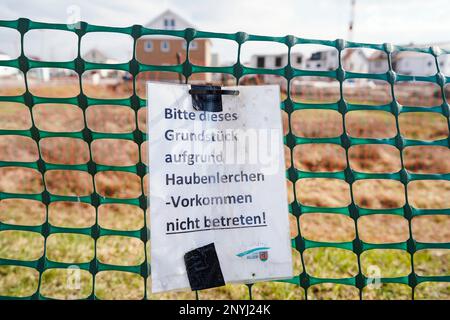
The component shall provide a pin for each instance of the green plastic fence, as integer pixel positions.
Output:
(238, 70)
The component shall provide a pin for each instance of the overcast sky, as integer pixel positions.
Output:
(376, 21)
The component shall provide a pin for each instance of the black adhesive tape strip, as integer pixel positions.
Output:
(202, 100)
(203, 268)
(222, 92)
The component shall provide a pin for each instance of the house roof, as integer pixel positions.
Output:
(152, 22)
(378, 55)
(35, 58)
(5, 56)
(96, 52)
(408, 54)
(349, 52)
(320, 51)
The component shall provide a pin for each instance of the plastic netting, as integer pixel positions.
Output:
(294, 174)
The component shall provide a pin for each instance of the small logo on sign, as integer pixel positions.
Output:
(261, 253)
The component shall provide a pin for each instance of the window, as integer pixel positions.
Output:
(278, 62)
(316, 56)
(192, 46)
(299, 59)
(148, 46)
(169, 24)
(318, 65)
(260, 62)
(165, 46)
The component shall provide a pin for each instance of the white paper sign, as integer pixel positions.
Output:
(217, 177)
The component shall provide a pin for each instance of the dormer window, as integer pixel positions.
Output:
(169, 23)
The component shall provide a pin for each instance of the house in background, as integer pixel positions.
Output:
(166, 50)
(215, 60)
(297, 60)
(96, 56)
(419, 64)
(268, 61)
(276, 61)
(444, 64)
(322, 60)
(378, 62)
(354, 60)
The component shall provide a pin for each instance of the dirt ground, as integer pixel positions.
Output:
(319, 262)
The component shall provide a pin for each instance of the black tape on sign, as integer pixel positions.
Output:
(206, 98)
(209, 98)
(203, 268)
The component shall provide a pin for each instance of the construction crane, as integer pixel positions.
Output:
(352, 19)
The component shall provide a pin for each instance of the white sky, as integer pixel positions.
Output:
(376, 21)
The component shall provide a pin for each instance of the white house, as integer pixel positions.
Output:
(297, 60)
(276, 61)
(322, 60)
(355, 60)
(268, 61)
(96, 56)
(421, 64)
(403, 62)
(378, 62)
(413, 63)
(444, 64)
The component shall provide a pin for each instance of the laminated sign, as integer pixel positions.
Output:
(218, 198)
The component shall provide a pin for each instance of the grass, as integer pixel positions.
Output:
(319, 262)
